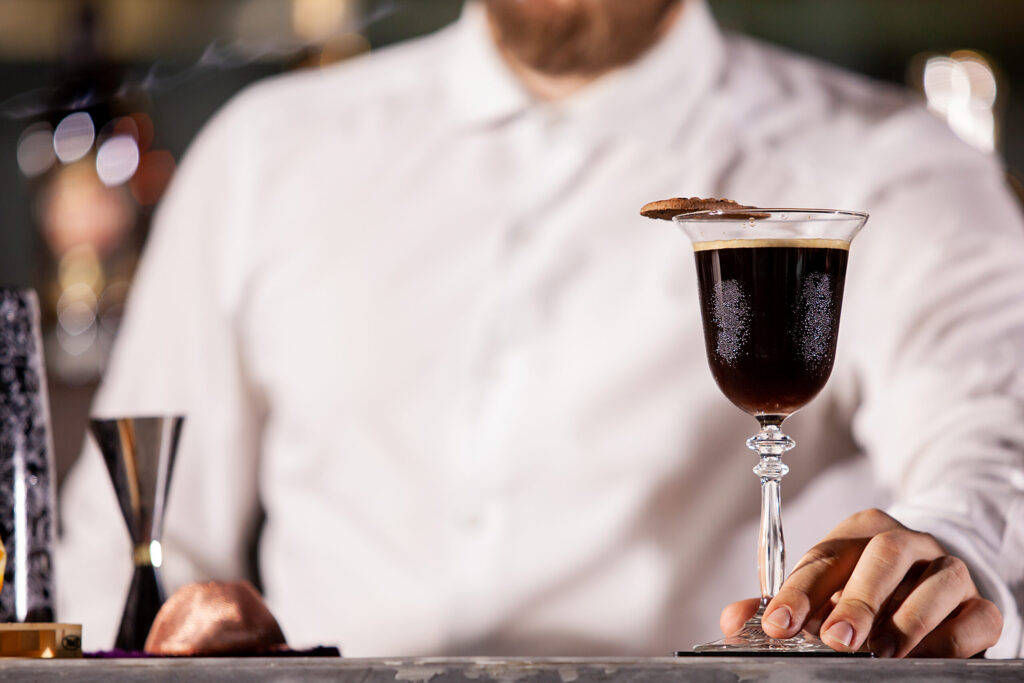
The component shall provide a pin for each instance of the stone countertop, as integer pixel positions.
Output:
(518, 670)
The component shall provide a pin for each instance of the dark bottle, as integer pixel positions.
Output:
(26, 464)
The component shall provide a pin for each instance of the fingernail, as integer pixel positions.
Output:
(840, 632)
(884, 648)
(781, 618)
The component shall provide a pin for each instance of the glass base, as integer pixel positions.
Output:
(752, 639)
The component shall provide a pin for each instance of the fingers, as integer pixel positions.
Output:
(920, 605)
(864, 524)
(214, 618)
(879, 571)
(874, 582)
(975, 626)
(735, 615)
(821, 572)
(814, 621)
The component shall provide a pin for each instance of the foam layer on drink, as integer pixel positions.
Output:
(808, 243)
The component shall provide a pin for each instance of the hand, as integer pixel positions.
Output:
(874, 582)
(214, 618)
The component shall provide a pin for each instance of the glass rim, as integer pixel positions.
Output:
(749, 213)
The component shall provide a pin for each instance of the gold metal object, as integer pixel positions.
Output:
(41, 641)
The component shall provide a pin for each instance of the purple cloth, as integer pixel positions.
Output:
(321, 651)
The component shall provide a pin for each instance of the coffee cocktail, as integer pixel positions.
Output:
(771, 318)
(771, 289)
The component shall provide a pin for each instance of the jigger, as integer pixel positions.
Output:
(139, 453)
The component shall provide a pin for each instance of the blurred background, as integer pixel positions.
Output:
(100, 98)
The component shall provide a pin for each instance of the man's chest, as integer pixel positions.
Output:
(482, 305)
(494, 301)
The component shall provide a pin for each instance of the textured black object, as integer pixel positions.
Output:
(26, 465)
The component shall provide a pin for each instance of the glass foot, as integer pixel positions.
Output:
(751, 639)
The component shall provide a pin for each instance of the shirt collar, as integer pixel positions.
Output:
(480, 87)
(483, 90)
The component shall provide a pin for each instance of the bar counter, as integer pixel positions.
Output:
(523, 670)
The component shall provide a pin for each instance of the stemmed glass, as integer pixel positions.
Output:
(771, 289)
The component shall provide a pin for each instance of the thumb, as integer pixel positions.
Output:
(734, 615)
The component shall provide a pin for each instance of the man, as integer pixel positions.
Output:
(436, 365)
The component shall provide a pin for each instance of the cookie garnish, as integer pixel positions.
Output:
(667, 209)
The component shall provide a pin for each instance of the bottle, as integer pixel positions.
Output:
(26, 464)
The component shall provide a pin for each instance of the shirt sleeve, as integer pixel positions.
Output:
(938, 296)
(177, 352)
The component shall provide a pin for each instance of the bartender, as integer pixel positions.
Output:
(447, 393)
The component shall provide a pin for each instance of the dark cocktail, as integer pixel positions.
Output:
(771, 291)
(771, 354)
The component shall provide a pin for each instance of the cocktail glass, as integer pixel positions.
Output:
(771, 290)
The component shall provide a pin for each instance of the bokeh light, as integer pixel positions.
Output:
(80, 265)
(318, 20)
(153, 176)
(79, 209)
(144, 130)
(963, 89)
(76, 309)
(35, 150)
(122, 125)
(74, 137)
(117, 159)
(76, 318)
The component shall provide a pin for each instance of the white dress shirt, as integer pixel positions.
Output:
(439, 368)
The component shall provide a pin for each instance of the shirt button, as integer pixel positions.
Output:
(470, 522)
(482, 522)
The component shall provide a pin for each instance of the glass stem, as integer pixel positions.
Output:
(770, 443)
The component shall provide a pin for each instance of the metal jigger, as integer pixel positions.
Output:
(139, 452)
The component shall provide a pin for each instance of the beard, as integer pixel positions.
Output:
(577, 37)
